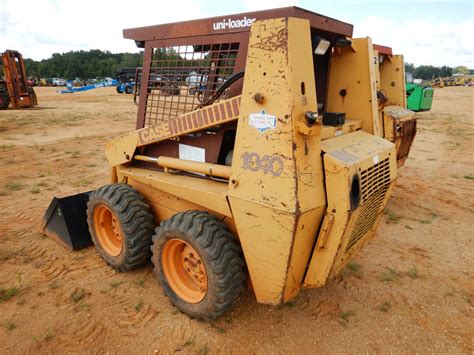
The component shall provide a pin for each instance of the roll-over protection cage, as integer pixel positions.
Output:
(186, 62)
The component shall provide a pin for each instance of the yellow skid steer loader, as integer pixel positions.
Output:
(276, 167)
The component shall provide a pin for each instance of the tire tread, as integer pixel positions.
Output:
(136, 220)
(219, 247)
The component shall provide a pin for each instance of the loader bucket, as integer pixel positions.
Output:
(65, 221)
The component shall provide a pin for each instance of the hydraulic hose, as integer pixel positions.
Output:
(222, 88)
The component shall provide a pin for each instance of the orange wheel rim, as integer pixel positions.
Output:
(108, 230)
(184, 270)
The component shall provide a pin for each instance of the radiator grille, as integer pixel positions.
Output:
(375, 182)
(375, 178)
(367, 216)
(183, 77)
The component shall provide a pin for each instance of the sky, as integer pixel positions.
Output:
(432, 32)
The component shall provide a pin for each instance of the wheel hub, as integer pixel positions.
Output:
(194, 267)
(108, 230)
(184, 270)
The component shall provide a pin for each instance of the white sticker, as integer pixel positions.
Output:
(188, 152)
(338, 133)
(262, 121)
(376, 159)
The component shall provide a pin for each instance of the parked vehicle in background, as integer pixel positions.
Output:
(15, 91)
(32, 81)
(419, 95)
(59, 82)
(45, 82)
(194, 79)
(157, 81)
(125, 87)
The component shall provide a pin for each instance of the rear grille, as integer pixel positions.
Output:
(375, 178)
(367, 216)
(408, 132)
(375, 182)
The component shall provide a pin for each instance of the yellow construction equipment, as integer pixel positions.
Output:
(277, 165)
(437, 83)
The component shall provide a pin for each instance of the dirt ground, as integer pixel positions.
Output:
(411, 289)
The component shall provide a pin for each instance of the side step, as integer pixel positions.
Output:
(65, 221)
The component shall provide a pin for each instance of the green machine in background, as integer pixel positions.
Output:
(419, 96)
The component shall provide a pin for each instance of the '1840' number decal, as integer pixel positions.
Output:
(269, 164)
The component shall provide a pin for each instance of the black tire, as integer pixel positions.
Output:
(128, 89)
(201, 97)
(204, 96)
(4, 98)
(221, 255)
(192, 90)
(118, 89)
(135, 220)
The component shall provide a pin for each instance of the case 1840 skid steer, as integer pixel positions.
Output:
(280, 170)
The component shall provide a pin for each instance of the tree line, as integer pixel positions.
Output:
(98, 64)
(83, 64)
(428, 72)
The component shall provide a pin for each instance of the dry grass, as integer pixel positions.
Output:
(77, 295)
(8, 292)
(346, 315)
(14, 186)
